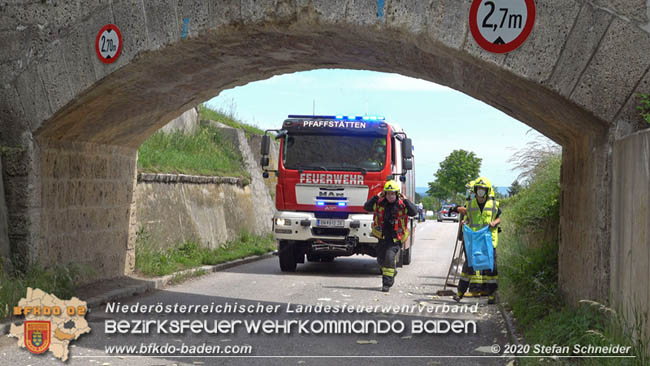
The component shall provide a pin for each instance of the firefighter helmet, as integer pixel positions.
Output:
(482, 182)
(391, 186)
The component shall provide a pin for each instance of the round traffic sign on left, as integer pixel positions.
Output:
(108, 43)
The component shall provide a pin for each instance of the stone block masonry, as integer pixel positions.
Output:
(87, 206)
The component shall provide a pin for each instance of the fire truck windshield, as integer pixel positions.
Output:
(334, 152)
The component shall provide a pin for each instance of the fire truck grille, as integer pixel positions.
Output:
(331, 215)
(326, 231)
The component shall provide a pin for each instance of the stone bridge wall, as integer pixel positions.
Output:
(630, 252)
(87, 198)
(5, 249)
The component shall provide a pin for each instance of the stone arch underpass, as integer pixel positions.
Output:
(71, 125)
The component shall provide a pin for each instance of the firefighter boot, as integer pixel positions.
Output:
(492, 300)
(458, 297)
(385, 288)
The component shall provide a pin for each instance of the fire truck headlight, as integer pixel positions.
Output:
(282, 222)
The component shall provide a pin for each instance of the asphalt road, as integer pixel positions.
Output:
(346, 283)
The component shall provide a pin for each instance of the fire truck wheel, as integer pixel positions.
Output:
(400, 258)
(327, 258)
(287, 258)
(407, 257)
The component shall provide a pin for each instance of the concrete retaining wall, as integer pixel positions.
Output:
(630, 253)
(187, 123)
(173, 209)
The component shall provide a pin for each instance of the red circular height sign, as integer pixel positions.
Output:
(108, 43)
(500, 26)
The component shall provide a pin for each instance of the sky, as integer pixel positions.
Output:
(438, 119)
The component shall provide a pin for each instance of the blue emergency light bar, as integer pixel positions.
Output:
(340, 204)
(340, 117)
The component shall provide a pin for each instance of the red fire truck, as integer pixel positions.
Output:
(328, 167)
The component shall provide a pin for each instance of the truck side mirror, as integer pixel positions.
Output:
(407, 164)
(266, 142)
(407, 149)
(264, 161)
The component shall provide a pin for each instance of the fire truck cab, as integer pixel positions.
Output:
(328, 167)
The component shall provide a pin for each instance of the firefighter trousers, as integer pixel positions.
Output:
(387, 254)
(479, 283)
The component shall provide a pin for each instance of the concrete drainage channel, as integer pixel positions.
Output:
(514, 337)
(145, 285)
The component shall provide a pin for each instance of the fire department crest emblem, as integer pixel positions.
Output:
(37, 335)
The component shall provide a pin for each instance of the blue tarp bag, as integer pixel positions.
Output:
(478, 248)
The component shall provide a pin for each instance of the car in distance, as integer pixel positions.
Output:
(445, 213)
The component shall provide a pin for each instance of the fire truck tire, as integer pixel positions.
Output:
(400, 258)
(407, 257)
(287, 257)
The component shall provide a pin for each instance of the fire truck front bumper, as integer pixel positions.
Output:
(305, 226)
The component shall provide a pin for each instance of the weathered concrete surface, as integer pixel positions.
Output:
(172, 213)
(4, 234)
(255, 143)
(585, 238)
(614, 70)
(589, 29)
(175, 208)
(630, 255)
(186, 123)
(55, 91)
(264, 205)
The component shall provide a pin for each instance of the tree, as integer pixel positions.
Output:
(454, 173)
(437, 191)
(498, 195)
(429, 203)
(515, 187)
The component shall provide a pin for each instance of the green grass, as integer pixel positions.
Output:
(182, 277)
(59, 281)
(229, 119)
(528, 280)
(156, 262)
(206, 152)
(644, 106)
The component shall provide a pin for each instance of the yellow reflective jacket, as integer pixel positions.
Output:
(477, 219)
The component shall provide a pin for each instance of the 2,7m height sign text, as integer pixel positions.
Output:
(500, 26)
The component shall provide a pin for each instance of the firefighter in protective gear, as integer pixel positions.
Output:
(481, 210)
(390, 225)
